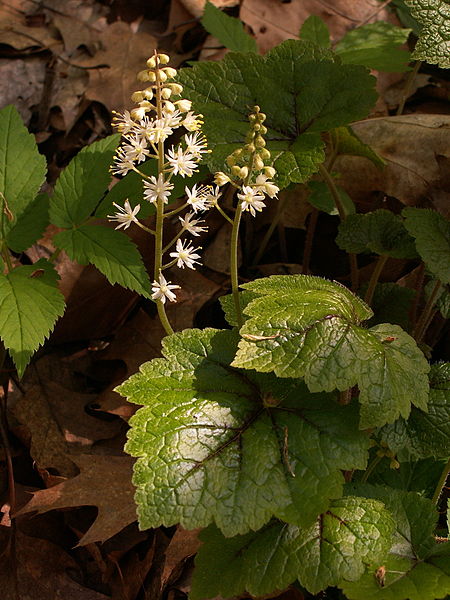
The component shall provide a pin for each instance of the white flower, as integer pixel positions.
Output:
(163, 289)
(125, 215)
(192, 225)
(198, 198)
(213, 195)
(251, 200)
(263, 185)
(155, 130)
(136, 149)
(192, 122)
(181, 162)
(172, 119)
(157, 189)
(185, 256)
(122, 165)
(195, 143)
(123, 123)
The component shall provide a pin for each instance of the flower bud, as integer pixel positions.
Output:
(243, 172)
(264, 154)
(138, 113)
(169, 106)
(148, 93)
(176, 88)
(231, 160)
(260, 141)
(221, 178)
(263, 130)
(137, 96)
(163, 59)
(143, 76)
(184, 105)
(269, 172)
(170, 72)
(166, 92)
(151, 62)
(162, 76)
(236, 171)
(258, 163)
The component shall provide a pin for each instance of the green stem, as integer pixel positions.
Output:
(175, 211)
(441, 483)
(171, 243)
(269, 232)
(371, 468)
(224, 214)
(408, 86)
(147, 229)
(382, 259)
(421, 325)
(334, 191)
(7, 257)
(234, 264)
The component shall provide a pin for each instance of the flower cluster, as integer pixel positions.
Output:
(248, 168)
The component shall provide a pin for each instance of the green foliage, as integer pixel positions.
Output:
(417, 568)
(22, 172)
(314, 94)
(82, 184)
(228, 30)
(345, 141)
(414, 476)
(404, 15)
(433, 44)
(353, 533)
(308, 327)
(375, 45)
(111, 251)
(425, 433)
(30, 225)
(218, 444)
(30, 304)
(379, 231)
(315, 30)
(432, 233)
(322, 199)
(391, 302)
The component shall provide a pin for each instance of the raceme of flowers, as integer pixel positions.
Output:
(145, 130)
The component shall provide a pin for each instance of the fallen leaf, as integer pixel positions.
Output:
(22, 83)
(196, 7)
(415, 147)
(125, 53)
(274, 22)
(104, 482)
(183, 545)
(42, 572)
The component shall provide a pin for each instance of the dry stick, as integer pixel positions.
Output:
(382, 259)
(408, 86)
(310, 231)
(423, 322)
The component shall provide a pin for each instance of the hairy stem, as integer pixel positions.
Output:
(374, 278)
(423, 322)
(441, 483)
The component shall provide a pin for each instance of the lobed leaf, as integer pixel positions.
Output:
(308, 327)
(345, 141)
(314, 94)
(111, 251)
(377, 46)
(228, 30)
(432, 234)
(417, 568)
(380, 231)
(353, 533)
(22, 168)
(425, 434)
(433, 44)
(83, 182)
(215, 444)
(30, 225)
(30, 304)
(315, 30)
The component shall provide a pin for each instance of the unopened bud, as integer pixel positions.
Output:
(170, 72)
(148, 93)
(166, 93)
(143, 76)
(236, 171)
(243, 172)
(260, 141)
(264, 154)
(263, 130)
(138, 113)
(258, 163)
(162, 76)
(221, 178)
(184, 105)
(169, 106)
(163, 59)
(151, 62)
(137, 96)
(269, 172)
(176, 88)
(230, 160)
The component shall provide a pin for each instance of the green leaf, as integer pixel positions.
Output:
(379, 231)
(304, 326)
(353, 533)
(432, 233)
(131, 188)
(315, 30)
(217, 444)
(442, 299)
(345, 141)
(22, 168)
(425, 434)
(314, 94)
(83, 182)
(322, 199)
(375, 45)
(404, 15)
(30, 304)
(30, 225)
(391, 302)
(228, 307)
(111, 251)
(228, 30)
(433, 45)
(417, 476)
(417, 568)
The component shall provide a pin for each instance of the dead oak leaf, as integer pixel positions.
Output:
(104, 482)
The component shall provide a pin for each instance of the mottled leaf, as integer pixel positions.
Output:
(228, 30)
(433, 44)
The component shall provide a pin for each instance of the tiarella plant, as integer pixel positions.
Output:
(310, 439)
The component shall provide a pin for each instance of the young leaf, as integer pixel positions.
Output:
(425, 434)
(30, 304)
(417, 568)
(379, 231)
(216, 444)
(225, 91)
(375, 45)
(22, 168)
(228, 30)
(345, 141)
(111, 251)
(30, 225)
(82, 184)
(322, 199)
(353, 533)
(316, 31)
(433, 43)
(304, 326)
(432, 233)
